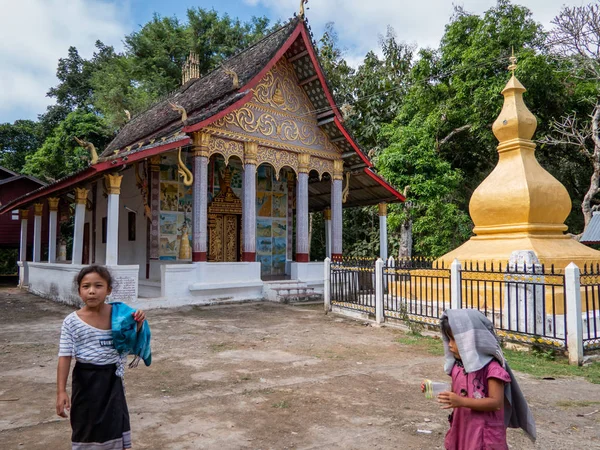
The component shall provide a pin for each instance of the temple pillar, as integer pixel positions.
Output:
(302, 243)
(23, 243)
(80, 203)
(154, 184)
(200, 204)
(52, 228)
(291, 184)
(113, 184)
(383, 237)
(327, 217)
(249, 202)
(38, 209)
(336, 210)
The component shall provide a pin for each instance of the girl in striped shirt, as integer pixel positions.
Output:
(98, 410)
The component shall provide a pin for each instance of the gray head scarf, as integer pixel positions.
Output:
(478, 346)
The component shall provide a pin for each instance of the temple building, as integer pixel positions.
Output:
(207, 194)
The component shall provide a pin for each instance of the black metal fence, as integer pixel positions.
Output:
(526, 303)
(353, 284)
(416, 290)
(590, 305)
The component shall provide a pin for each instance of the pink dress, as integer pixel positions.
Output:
(476, 430)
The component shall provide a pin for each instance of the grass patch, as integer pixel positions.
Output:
(537, 364)
(576, 404)
(222, 347)
(283, 404)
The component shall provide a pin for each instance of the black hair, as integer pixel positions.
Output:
(446, 330)
(100, 270)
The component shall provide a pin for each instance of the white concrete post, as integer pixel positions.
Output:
(37, 231)
(80, 202)
(113, 184)
(383, 236)
(302, 244)
(23, 243)
(574, 321)
(52, 228)
(327, 217)
(455, 290)
(379, 316)
(249, 202)
(200, 198)
(327, 285)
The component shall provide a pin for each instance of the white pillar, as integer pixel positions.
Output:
(327, 217)
(379, 314)
(249, 202)
(23, 243)
(38, 209)
(302, 243)
(52, 228)
(113, 184)
(327, 285)
(383, 237)
(455, 290)
(574, 321)
(336, 210)
(80, 202)
(200, 200)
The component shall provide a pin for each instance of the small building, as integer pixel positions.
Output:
(207, 194)
(13, 186)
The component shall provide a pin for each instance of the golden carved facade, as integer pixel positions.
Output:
(224, 223)
(281, 120)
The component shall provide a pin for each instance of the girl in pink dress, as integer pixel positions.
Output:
(485, 396)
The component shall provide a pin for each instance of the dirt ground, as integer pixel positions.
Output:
(262, 376)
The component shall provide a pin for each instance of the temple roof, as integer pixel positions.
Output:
(206, 99)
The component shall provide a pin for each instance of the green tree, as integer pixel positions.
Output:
(60, 155)
(17, 140)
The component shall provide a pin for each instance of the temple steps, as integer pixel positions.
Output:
(289, 291)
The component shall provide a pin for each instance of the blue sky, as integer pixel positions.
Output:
(34, 34)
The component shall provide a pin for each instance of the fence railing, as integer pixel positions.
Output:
(590, 299)
(527, 303)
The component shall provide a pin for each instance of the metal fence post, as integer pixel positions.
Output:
(455, 290)
(379, 317)
(327, 285)
(573, 312)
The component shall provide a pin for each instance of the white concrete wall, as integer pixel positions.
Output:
(311, 273)
(57, 282)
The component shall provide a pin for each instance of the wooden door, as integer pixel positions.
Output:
(223, 237)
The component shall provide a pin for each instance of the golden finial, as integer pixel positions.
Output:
(301, 12)
(191, 68)
(513, 62)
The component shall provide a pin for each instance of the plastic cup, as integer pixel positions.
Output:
(434, 388)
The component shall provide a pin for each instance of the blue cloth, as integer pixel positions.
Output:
(126, 338)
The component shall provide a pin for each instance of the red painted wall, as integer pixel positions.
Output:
(10, 230)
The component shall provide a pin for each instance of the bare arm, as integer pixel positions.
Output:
(62, 374)
(493, 402)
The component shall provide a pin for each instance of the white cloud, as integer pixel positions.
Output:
(360, 22)
(34, 34)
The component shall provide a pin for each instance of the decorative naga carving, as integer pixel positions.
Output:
(127, 114)
(180, 109)
(90, 147)
(346, 190)
(234, 77)
(184, 172)
(301, 12)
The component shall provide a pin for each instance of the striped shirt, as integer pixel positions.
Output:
(88, 344)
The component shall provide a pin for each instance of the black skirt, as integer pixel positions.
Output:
(99, 415)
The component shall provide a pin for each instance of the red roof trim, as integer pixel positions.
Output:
(88, 173)
(385, 184)
(238, 104)
(349, 139)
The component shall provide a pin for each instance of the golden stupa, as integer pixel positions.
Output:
(520, 206)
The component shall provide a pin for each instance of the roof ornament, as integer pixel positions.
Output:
(191, 68)
(346, 190)
(180, 109)
(301, 12)
(127, 114)
(234, 77)
(513, 62)
(89, 147)
(184, 172)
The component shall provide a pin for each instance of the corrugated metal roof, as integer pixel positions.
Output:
(591, 235)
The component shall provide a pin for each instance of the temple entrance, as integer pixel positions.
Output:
(224, 222)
